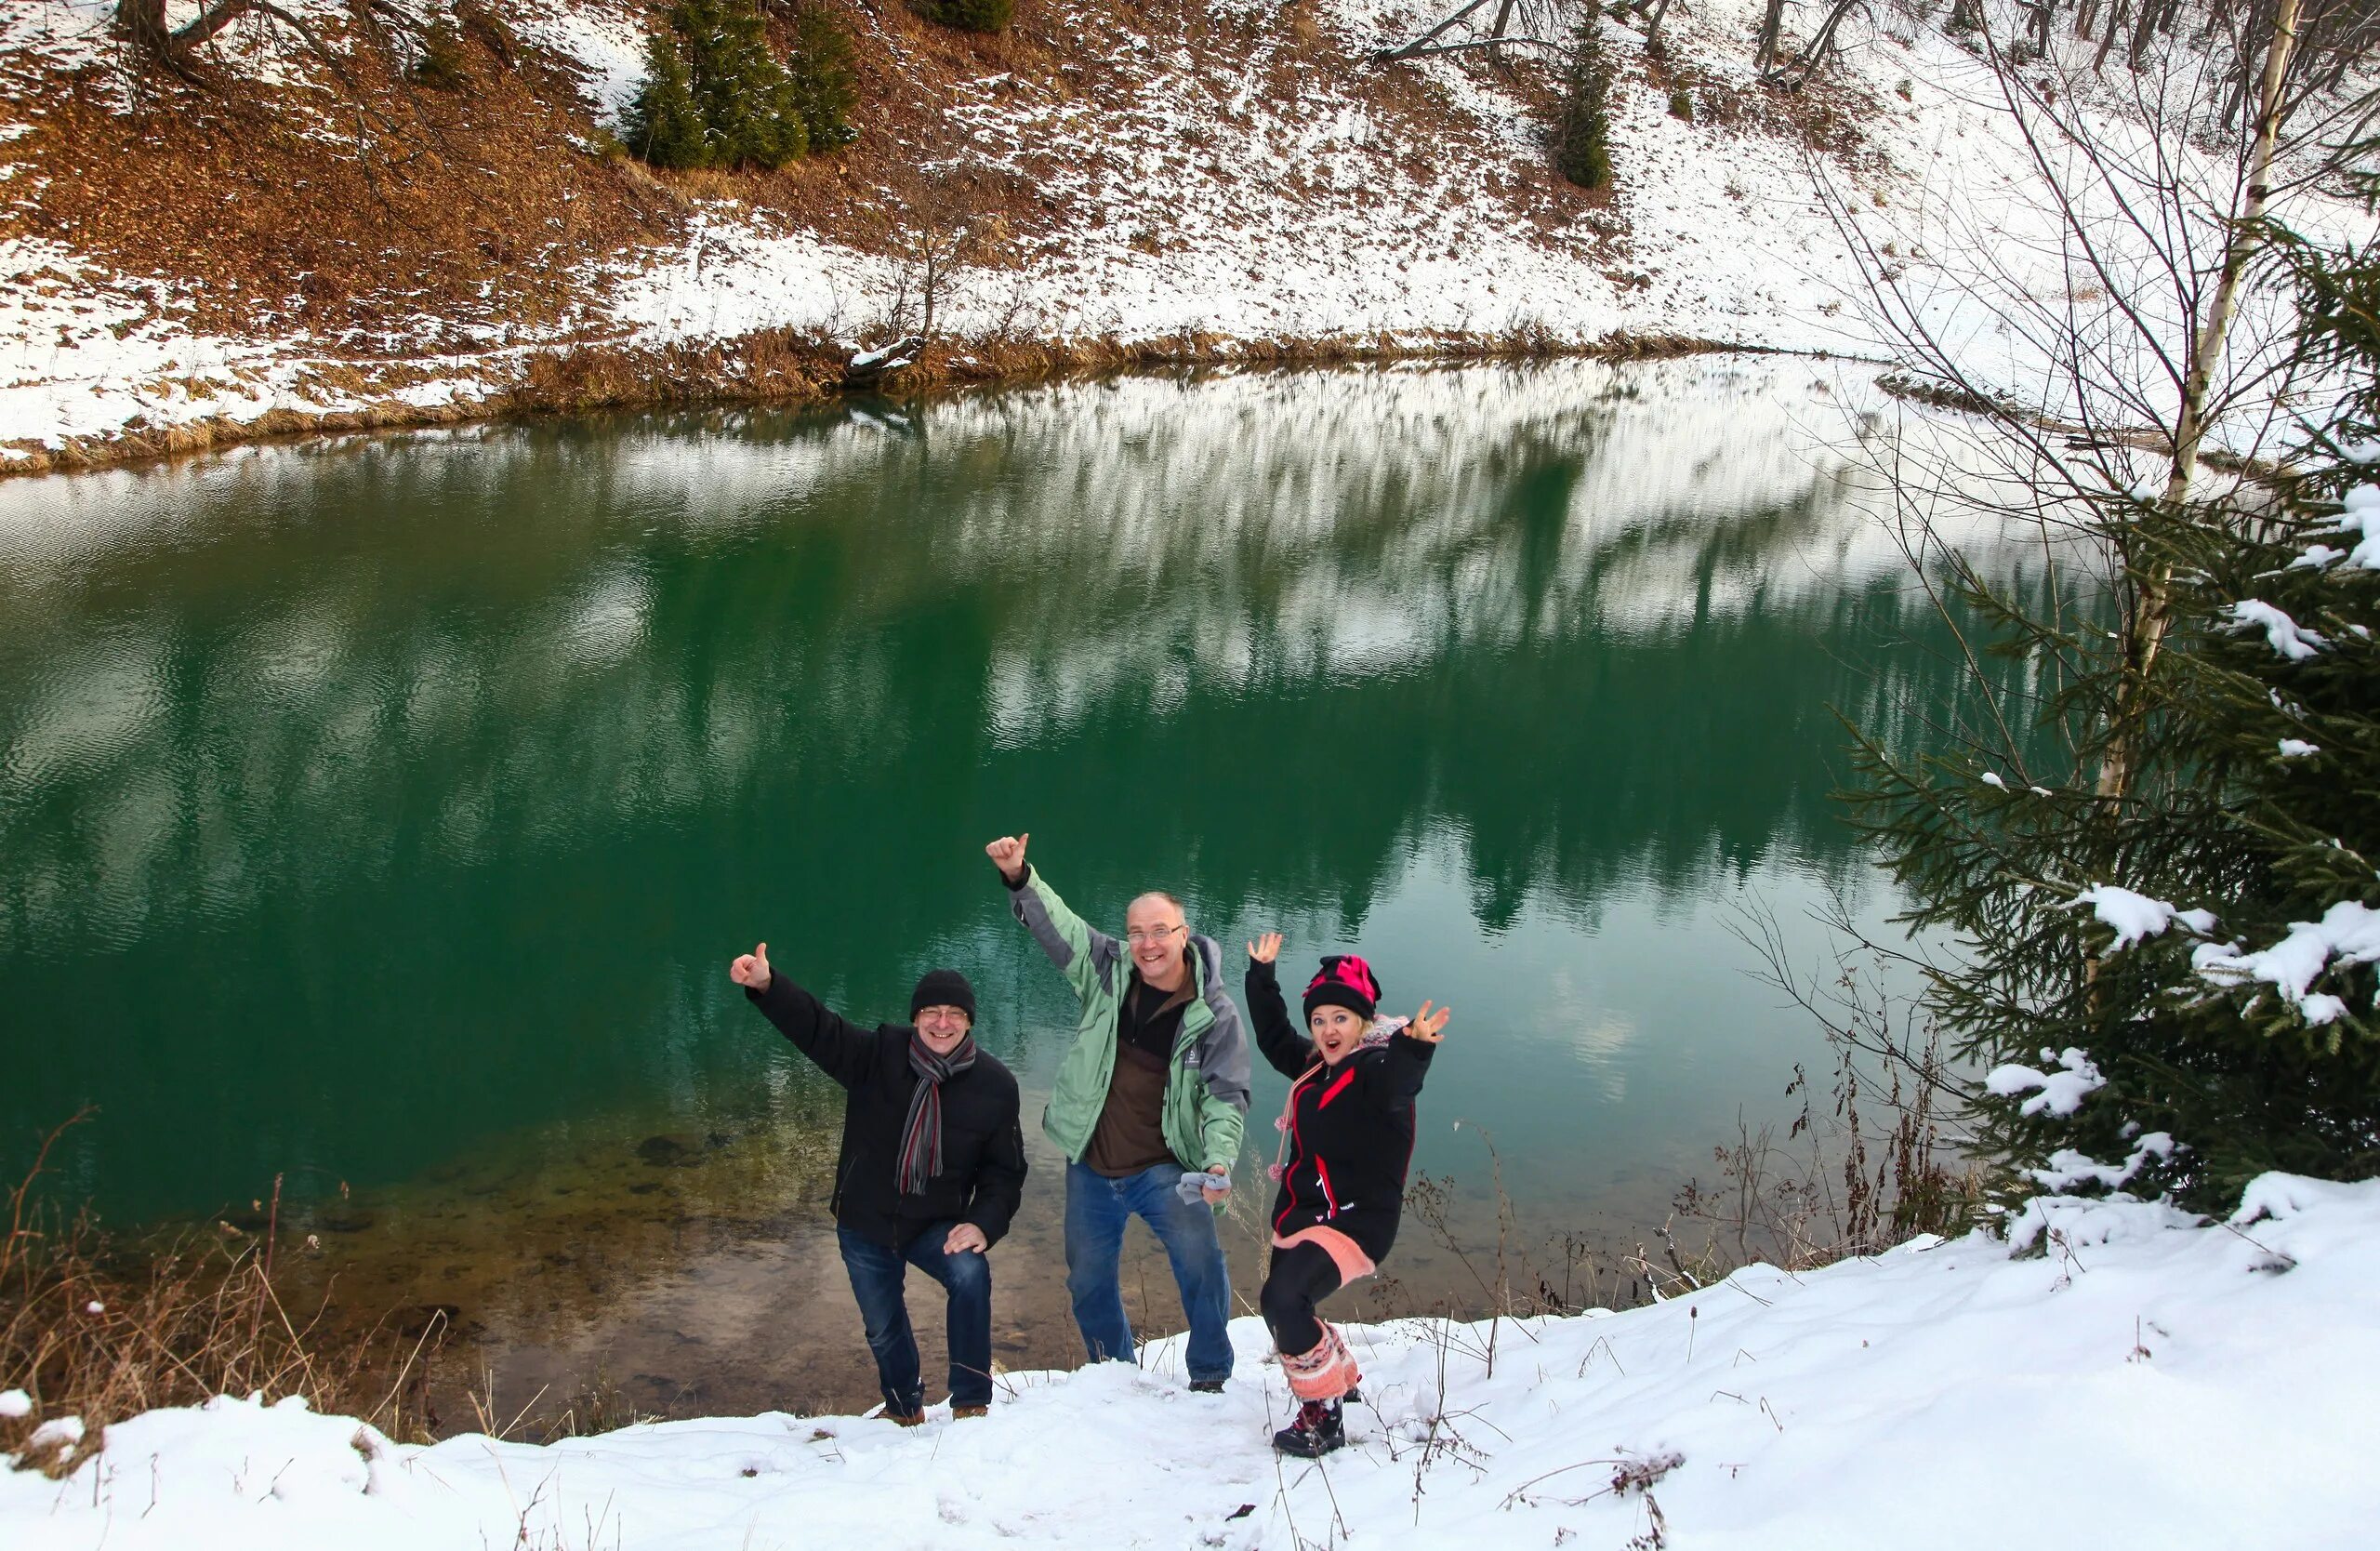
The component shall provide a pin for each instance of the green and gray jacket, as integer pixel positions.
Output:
(1205, 1093)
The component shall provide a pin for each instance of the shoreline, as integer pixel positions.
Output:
(786, 368)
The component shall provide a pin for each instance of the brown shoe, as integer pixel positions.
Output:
(906, 1418)
(960, 1413)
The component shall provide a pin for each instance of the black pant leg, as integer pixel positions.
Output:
(1300, 1277)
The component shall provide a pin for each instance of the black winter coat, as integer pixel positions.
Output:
(1350, 1126)
(982, 1148)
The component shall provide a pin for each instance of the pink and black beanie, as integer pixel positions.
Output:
(1344, 981)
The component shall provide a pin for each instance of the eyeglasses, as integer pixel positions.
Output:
(1141, 936)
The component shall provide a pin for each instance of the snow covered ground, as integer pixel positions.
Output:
(1201, 201)
(2146, 1381)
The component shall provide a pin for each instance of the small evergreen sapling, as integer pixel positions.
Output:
(664, 124)
(1581, 125)
(970, 16)
(820, 69)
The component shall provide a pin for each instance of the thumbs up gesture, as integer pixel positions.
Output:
(752, 970)
(1007, 854)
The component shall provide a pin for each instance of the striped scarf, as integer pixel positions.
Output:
(921, 1137)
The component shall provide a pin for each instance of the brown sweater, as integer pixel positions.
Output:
(1131, 1134)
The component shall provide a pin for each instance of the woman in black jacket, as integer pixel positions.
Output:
(1347, 1136)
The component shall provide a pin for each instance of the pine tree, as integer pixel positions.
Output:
(821, 75)
(1581, 127)
(664, 124)
(970, 16)
(714, 95)
(2228, 998)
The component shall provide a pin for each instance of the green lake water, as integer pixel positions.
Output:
(381, 815)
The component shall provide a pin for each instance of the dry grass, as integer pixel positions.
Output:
(99, 1333)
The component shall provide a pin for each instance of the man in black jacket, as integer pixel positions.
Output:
(931, 1167)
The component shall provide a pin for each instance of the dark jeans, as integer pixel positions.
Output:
(1300, 1277)
(876, 1282)
(1098, 1209)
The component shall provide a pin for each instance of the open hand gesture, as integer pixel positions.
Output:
(1265, 948)
(1007, 854)
(752, 970)
(1428, 1027)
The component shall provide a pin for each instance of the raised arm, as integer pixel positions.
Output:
(1289, 1052)
(1409, 1049)
(1072, 943)
(844, 1052)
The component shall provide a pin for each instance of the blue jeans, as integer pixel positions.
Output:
(876, 1282)
(1098, 1209)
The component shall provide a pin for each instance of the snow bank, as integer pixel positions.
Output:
(2146, 1381)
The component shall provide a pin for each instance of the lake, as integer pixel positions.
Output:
(379, 815)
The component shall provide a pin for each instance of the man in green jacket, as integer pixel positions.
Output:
(1155, 1087)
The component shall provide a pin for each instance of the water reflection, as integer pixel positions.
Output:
(369, 808)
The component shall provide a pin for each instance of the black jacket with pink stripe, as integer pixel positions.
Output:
(1349, 1127)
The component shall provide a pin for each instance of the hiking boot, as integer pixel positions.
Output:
(1206, 1387)
(1317, 1430)
(960, 1413)
(905, 1418)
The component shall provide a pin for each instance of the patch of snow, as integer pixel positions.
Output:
(2347, 934)
(15, 1405)
(2068, 1168)
(2282, 633)
(2061, 1092)
(59, 1432)
(2132, 916)
(2297, 748)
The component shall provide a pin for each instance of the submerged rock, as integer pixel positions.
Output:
(671, 1152)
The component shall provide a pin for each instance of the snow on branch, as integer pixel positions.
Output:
(2135, 916)
(2068, 1168)
(2361, 518)
(2348, 934)
(2285, 635)
(2062, 1092)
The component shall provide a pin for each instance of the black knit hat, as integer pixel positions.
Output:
(1345, 981)
(943, 988)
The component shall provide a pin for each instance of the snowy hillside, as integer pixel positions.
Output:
(1230, 180)
(2144, 1381)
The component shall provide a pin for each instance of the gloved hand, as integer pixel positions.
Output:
(1192, 1184)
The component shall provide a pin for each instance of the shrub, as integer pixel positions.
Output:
(440, 65)
(970, 16)
(1581, 127)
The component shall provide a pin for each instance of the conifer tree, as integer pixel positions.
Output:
(714, 96)
(1581, 126)
(970, 16)
(2205, 940)
(664, 124)
(821, 74)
